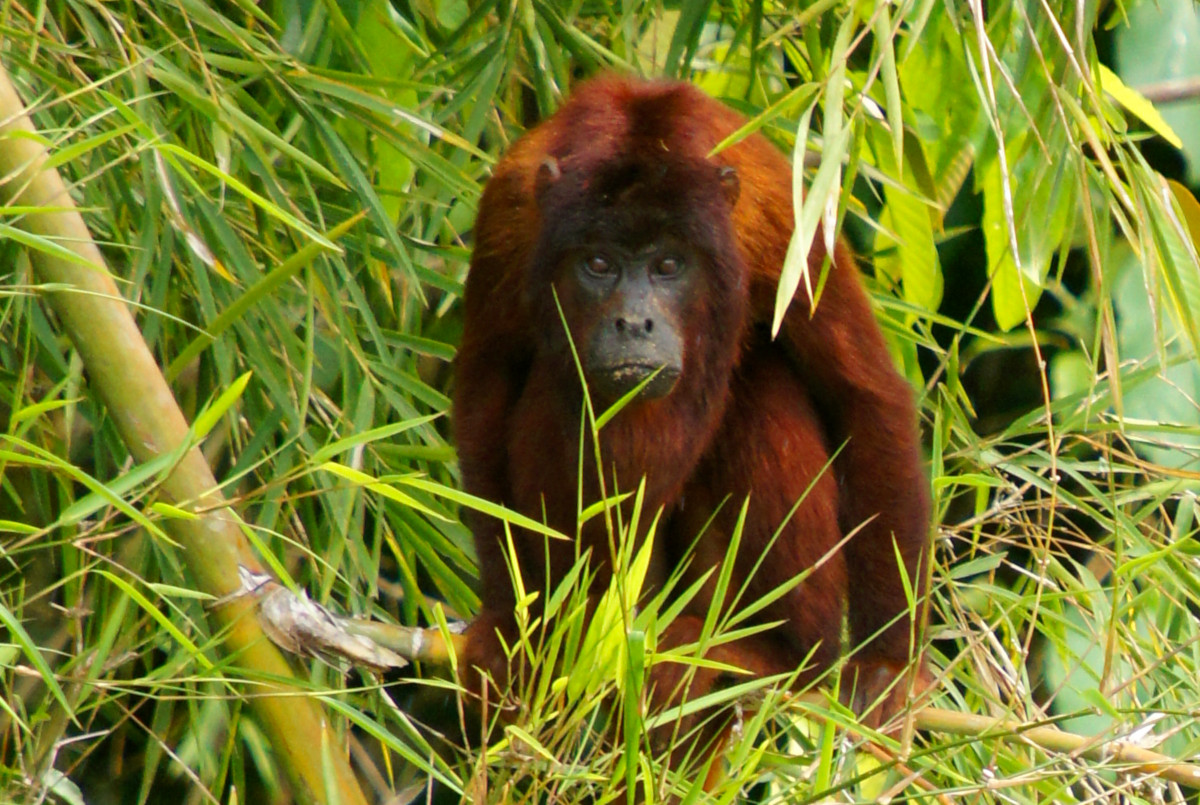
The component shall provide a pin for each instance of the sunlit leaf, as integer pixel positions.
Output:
(1136, 103)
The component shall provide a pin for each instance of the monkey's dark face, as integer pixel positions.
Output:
(640, 255)
(639, 301)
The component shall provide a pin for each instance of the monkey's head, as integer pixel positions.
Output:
(638, 246)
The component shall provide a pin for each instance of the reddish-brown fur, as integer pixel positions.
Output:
(750, 416)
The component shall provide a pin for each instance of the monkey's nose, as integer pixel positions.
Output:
(634, 328)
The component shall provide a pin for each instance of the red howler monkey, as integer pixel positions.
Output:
(666, 259)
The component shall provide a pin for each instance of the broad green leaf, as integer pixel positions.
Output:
(1013, 295)
(1042, 206)
(912, 254)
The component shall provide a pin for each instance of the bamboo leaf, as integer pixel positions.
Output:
(1136, 103)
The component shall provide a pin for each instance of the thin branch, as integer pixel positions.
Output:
(1175, 90)
(1053, 739)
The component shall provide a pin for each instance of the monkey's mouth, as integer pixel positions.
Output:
(614, 382)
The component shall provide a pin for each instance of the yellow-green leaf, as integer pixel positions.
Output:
(911, 255)
(1138, 105)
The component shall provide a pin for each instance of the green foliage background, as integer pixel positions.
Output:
(1037, 276)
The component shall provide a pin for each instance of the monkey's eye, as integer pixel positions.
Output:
(598, 267)
(668, 267)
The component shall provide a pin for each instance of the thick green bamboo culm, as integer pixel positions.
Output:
(123, 373)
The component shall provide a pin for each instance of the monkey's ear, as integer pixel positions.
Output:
(547, 174)
(731, 186)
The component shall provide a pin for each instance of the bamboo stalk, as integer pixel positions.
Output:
(125, 376)
(1053, 739)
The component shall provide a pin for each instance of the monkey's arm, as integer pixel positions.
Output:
(868, 405)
